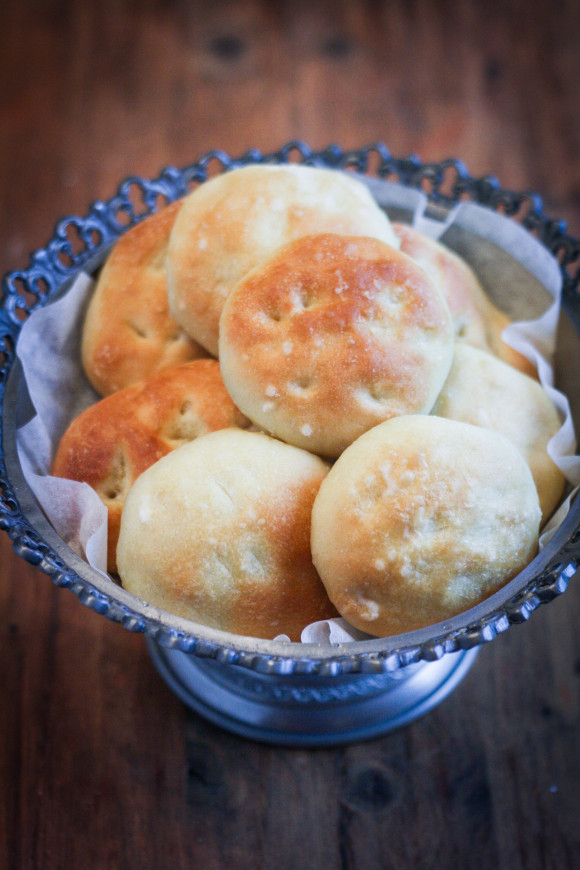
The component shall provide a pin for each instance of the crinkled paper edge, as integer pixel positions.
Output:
(59, 391)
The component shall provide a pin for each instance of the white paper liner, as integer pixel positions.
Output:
(49, 344)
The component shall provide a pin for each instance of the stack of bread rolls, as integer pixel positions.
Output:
(307, 412)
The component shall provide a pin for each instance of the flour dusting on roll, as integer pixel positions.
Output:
(219, 532)
(420, 519)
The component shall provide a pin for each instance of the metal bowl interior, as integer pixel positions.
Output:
(82, 243)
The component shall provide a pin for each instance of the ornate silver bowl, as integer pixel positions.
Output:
(284, 693)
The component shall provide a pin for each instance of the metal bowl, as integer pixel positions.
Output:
(282, 693)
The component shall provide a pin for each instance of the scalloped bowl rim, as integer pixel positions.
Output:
(113, 601)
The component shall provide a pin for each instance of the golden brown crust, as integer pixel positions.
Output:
(113, 441)
(219, 532)
(497, 323)
(234, 222)
(331, 336)
(420, 519)
(477, 321)
(485, 391)
(128, 333)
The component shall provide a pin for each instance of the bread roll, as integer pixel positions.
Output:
(331, 336)
(235, 221)
(422, 518)
(128, 333)
(219, 532)
(484, 391)
(113, 441)
(477, 321)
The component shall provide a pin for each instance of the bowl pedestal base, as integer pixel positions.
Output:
(309, 710)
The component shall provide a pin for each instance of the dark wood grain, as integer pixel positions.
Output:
(100, 765)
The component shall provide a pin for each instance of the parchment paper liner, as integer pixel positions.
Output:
(517, 272)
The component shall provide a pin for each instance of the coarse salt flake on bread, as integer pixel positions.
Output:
(420, 519)
(233, 222)
(332, 335)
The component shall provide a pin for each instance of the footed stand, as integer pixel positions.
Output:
(303, 710)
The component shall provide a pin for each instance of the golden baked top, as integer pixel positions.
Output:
(420, 519)
(128, 333)
(113, 441)
(237, 220)
(331, 336)
(219, 532)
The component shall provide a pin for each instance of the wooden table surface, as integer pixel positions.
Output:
(101, 766)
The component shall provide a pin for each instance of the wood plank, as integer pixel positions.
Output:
(100, 765)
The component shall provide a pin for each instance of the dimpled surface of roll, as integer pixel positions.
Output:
(476, 319)
(128, 333)
(331, 336)
(235, 221)
(420, 519)
(484, 391)
(219, 532)
(113, 441)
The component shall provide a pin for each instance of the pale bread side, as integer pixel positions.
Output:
(482, 390)
(477, 321)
